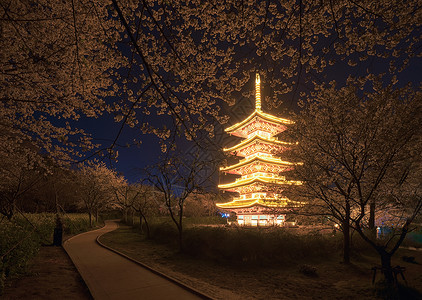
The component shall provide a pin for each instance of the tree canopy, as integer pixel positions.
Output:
(183, 59)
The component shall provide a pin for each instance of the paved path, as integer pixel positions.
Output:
(111, 276)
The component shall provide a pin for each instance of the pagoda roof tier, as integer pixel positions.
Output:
(262, 167)
(266, 202)
(250, 145)
(247, 189)
(275, 124)
(255, 160)
(241, 182)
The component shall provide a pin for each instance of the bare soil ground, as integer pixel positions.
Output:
(51, 275)
(334, 280)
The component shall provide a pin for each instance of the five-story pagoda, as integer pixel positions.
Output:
(259, 201)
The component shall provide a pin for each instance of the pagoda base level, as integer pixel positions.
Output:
(261, 216)
(263, 220)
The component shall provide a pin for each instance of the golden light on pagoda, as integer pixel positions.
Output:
(258, 92)
(257, 203)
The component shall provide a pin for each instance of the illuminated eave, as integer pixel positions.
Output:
(259, 113)
(244, 162)
(267, 202)
(262, 179)
(252, 139)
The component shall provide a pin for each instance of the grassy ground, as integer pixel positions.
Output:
(225, 280)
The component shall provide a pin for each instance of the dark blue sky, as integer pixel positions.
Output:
(132, 160)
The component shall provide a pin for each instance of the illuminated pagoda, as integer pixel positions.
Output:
(258, 202)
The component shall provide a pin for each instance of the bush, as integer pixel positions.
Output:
(243, 245)
(164, 232)
(413, 239)
(308, 270)
(397, 291)
(264, 246)
(21, 238)
(76, 223)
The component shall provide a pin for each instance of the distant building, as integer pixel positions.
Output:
(259, 202)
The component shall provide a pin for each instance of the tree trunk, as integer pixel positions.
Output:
(140, 223)
(133, 218)
(371, 222)
(346, 242)
(387, 270)
(346, 234)
(90, 218)
(180, 238)
(147, 227)
(180, 227)
(96, 216)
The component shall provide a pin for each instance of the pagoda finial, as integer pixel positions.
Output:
(258, 92)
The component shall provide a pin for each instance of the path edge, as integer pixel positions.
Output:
(174, 280)
(77, 268)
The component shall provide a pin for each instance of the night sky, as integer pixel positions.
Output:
(132, 160)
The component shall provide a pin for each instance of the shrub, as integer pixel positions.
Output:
(164, 232)
(76, 223)
(308, 270)
(21, 238)
(413, 239)
(386, 291)
(264, 246)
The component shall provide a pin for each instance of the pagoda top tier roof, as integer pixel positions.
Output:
(258, 113)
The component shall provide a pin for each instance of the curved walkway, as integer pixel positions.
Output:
(111, 276)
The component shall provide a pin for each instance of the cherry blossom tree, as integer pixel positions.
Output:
(176, 177)
(139, 198)
(53, 192)
(20, 171)
(122, 191)
(361, 151)
(144, 201)
(95, 187)
(182, 60)
(200, 52)
(57, 64)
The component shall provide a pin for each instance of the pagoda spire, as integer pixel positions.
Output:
(257, 93)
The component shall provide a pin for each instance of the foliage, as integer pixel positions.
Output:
(200, 54)
(57, 64)
(175, 178)
(20, 170)
(22, 237)
(384, 290)
(361, 160)
(95, 188)
(249, 246)
(414, 239)
(200, 205)
(308, 270)
(156, 221)
(182, 59)
(139, 198)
